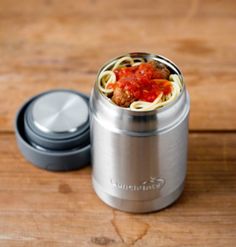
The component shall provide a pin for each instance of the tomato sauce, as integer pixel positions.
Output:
(144, 82)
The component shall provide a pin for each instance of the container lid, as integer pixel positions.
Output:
(52, 130)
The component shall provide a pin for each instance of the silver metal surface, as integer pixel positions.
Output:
(59, 112)
(139, 158)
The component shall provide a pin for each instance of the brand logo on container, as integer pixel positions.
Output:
(154, 183)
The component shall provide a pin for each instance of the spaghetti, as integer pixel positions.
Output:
(139, 85)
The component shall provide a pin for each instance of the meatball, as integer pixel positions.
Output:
(122, 97)
(161, 70)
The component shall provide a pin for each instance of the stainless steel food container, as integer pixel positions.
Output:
(139, 158)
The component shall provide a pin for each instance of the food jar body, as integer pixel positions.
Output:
(139, 159)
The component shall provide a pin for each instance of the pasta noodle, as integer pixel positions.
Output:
(107, 77)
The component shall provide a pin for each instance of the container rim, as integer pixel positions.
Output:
(148, 56)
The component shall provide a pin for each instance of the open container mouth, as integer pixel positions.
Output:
(147, 57)
(52, 130)
(140, 123)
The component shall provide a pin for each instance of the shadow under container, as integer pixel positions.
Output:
(139, 158)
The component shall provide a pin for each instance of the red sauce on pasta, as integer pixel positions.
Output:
(145, 82)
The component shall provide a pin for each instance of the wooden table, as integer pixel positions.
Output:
(61, 44)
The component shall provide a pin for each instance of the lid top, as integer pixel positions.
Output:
(60, 112)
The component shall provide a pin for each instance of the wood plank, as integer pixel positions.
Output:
(40, 208)
(62, 45)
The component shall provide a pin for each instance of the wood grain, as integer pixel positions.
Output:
(63, 44)
(40, 208)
